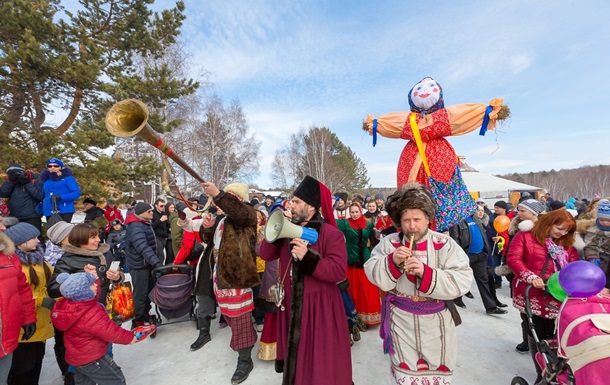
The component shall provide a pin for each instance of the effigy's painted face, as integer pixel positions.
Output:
(426, 93)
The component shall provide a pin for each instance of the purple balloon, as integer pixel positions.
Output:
(582, 279)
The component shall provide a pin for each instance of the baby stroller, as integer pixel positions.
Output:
(583, 332)
(173, 294)
(555, 369)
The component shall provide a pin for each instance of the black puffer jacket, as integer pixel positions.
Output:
(23, 199)
(461, 234)
(140, 243)
(74, 260)
(205, 285)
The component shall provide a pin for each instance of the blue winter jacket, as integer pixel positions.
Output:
(23, 199)
(65, 186)
(140, 243)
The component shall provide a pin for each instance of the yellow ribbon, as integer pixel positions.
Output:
(420, 146)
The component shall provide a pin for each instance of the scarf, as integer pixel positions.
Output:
(599, 226)
(34, 257)
(358, 224)
(557, 253)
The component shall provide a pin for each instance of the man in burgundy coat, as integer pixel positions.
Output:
(313, 345)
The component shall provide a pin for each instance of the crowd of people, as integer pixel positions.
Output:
(376, 263)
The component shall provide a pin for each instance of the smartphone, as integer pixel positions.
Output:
(115, 265)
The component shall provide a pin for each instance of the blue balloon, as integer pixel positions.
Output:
(582, 279)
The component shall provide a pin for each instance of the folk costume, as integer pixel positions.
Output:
(358, 236)
(313, 344)
(235, 272)
(417, 328)
(428, 158)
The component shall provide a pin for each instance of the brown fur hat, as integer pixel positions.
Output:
(410, 196)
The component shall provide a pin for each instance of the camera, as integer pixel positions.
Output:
(212, 210)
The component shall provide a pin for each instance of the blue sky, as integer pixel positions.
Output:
(295, 64)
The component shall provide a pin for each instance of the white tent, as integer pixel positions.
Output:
(493, 188)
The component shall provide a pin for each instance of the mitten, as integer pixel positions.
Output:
(13, 175)
(24, 179)
(28, 331)
(596, 261)
(48, 303)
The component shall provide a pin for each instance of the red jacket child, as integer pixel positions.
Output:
(87, 328)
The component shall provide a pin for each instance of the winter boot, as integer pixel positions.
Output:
(244, 366)
(204, 333)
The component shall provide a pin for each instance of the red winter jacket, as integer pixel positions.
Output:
(526, 258)
(87, 330)
(16, 300)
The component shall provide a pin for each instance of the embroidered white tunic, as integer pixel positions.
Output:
(423, 346)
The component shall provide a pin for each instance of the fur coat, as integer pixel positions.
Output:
(237, 258)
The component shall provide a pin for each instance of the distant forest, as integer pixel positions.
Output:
(583, 182)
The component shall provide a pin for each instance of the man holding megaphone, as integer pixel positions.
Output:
(313, 345)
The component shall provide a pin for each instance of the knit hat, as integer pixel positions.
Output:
(379, 196)
(239, 189)
(55, 161)
(14, 168)
(21, 233)
(59, 231)
(77, 286)
(116, 222)
(501, 204)
(555, 205)
(536, 207)
(180, 206)
(90, 201)
(603, 209)
(481, 200)
(10, 221)
(342, 195)
(141, 207)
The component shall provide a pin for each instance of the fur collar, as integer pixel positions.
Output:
(7, 247)
(485, 219)
(526, 225)
(46, 175)
(583, 224)
(517, 225)
(103, 248)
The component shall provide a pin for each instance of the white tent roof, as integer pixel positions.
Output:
(492, 187)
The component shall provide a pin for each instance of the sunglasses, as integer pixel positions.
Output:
(53, 166)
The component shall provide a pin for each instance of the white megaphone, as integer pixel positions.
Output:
(278, 226)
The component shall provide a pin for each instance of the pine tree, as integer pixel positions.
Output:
(61, 70)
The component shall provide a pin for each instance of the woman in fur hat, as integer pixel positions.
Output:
(421, 271)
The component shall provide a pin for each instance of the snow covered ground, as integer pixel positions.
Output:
(486, 354)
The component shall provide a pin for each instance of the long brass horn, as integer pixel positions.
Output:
(129, 117)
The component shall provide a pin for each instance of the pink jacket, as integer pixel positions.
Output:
(526, 258)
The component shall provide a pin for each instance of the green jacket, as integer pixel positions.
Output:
(357, 241)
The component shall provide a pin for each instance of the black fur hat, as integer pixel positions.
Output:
(309, 191)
